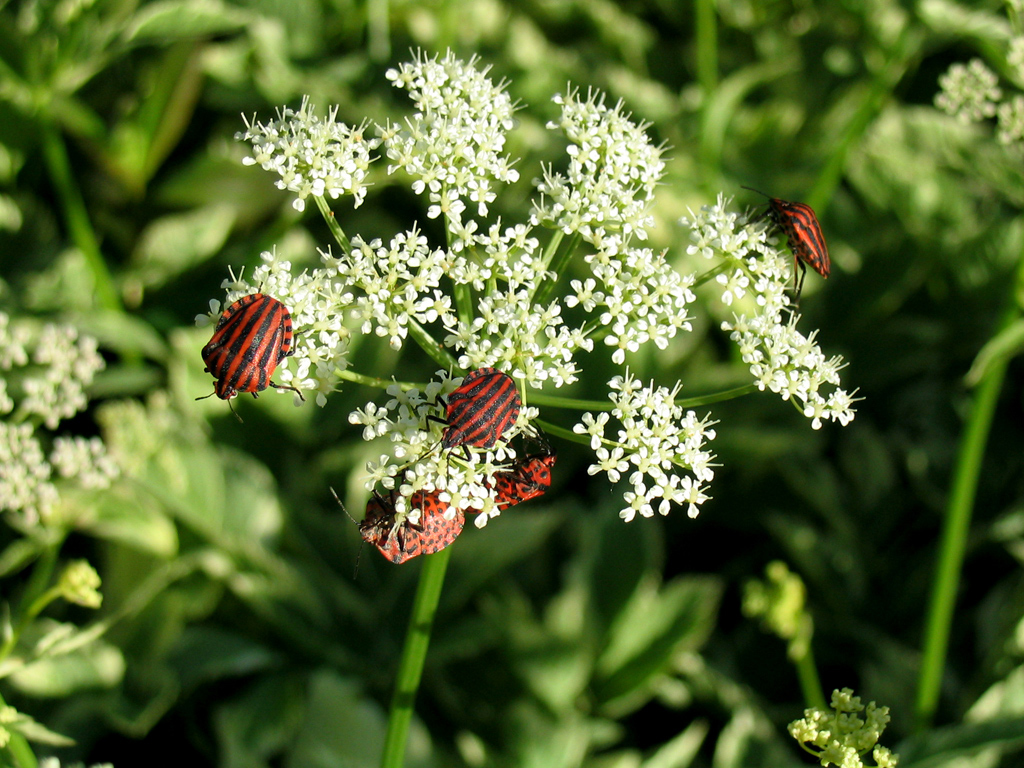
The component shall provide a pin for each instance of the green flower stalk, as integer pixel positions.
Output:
(780, 603)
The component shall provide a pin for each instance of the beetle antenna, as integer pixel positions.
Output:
(743, 186)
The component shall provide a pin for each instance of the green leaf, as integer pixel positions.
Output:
(658, 622)
(174, 244)
(162, 22)
(96, 665)
(1006, 344)
(615, 558)
(255, 727)
(122, 333)
(206, 654)
(505, 540)
(963, 21)
(336, 710)
(681, 750)
(557, 671)
(18, 554)
(749, 741)
(125, 514)
(39, 733)
(950, 746)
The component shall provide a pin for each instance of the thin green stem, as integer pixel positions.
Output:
(378, 30)
(707, 47)
(956, 526)
(562, 432)
(556, 261)
(554, 401)
(332, 224)
(77, 217)
(36, 596)
(810, 683)
(373, 381)
(714, 271)
(410, 669)
(552, 248)
(436, 351)
(903, 51)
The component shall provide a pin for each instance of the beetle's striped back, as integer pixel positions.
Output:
(481, 409)
(252, 336)
(803, 233)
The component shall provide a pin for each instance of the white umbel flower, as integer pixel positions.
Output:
(312, 155)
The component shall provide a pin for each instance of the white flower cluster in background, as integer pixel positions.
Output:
(44, 373)
(312, 155)
(781, 358)
(51, 366)
(971, 93)
(25, 487)
(655, 441)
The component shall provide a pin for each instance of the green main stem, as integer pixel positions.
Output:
(956, 526)
(410, 669)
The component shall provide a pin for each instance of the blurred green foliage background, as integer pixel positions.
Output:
(247, 625)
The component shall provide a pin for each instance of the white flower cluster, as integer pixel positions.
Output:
(313, 156)
(399, 284)
(1010, 115)
(50, 367)
(509, 330)
(487, 297)
(464, 484)
(655, 439)
(453, 145)
(970, 92)
(47, 369)
(642, 299)
(25, 486)
(613, 172)
(86, 460)
(780, 357)
(841, 737)
(68, 365)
